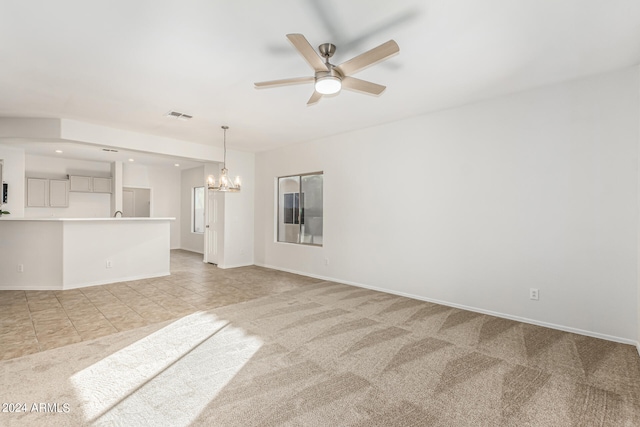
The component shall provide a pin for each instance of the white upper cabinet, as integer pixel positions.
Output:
(42, 193)
(80, 183)
(101, 185)
(37, 192)
(90, 184)
(58, 193)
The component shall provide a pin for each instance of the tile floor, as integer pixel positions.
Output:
(32, 321)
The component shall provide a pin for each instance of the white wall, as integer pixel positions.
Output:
(475, 205)
(137, 249)
(25, 127)
(239, 213)
(188, 239)
(58, 254)
(638, 243)
(74, 130)
(13, 175)
(116, 176)
(164, 182)
(37, 246)
(81, 205)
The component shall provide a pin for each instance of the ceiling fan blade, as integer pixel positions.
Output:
(362, 86)
(329, 19)
(308, 53)
(395, 21)
(315, 97)
(283, 82)
(369, 58)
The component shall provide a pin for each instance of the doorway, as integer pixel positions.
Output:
(213, 234)
(136, 202)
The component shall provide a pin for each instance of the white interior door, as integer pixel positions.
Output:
(128, 203)
(142, 202)
(211, 229)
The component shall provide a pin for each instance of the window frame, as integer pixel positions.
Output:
(193, 210)
(300, 201)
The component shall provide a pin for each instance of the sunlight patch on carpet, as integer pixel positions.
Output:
(171, 374)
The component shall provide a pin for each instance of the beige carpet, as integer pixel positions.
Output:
(329, 354)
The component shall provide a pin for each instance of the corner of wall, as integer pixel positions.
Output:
(638, 219)
(239, 213)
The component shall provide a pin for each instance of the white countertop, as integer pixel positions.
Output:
(8, 218)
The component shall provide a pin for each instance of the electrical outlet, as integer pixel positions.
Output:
(20, 268)
(533, 294)
(109, 263)
(326, 262)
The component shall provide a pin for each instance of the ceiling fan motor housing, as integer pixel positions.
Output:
(331, 72)
(327, 50)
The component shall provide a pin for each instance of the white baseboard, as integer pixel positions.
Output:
(224, 267)
(117, 280)
(30, 288)
(189, 250)
(63, 287)
(469, 308)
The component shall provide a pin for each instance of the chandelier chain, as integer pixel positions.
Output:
(224, 139)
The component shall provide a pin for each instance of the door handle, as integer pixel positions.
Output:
(207, 226)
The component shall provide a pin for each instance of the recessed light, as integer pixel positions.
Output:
(176, 164)
(58, 151)
(131, 160)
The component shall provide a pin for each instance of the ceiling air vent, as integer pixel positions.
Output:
(178, 115)
(110, 150)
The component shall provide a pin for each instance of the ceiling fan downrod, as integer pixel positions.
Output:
(326, 51)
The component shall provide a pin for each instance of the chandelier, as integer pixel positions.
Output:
(224, 183)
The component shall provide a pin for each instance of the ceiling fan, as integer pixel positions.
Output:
(329, 79)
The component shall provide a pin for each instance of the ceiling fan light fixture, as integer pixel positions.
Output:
(328, 85)
(330, 79)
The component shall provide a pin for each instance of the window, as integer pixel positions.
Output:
(198, 210)
(300, 209)
(292, 208)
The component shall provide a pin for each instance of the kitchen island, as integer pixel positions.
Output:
(68, 253)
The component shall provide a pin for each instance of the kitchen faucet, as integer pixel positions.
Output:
(115, 215)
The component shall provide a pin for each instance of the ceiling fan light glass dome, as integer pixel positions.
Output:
(328, 85)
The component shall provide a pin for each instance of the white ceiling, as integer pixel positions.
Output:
(125, 63)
